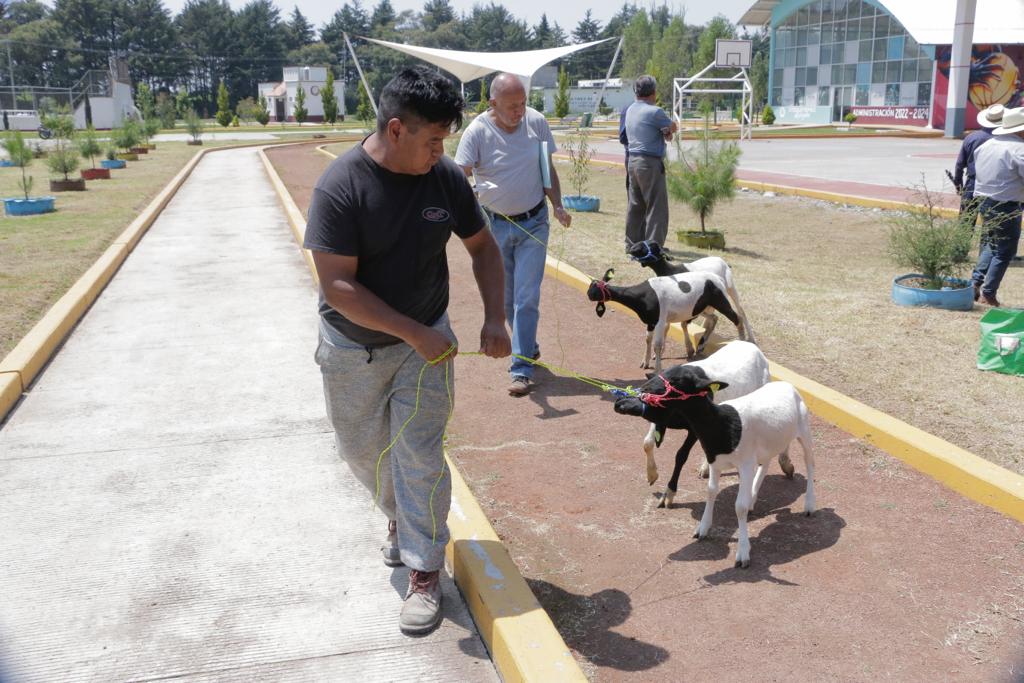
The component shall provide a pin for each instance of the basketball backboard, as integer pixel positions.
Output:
(735, 53)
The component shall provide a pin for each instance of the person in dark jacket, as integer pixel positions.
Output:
(988, 119)
(624, 139)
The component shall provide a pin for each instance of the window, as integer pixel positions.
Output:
(882, 25)
(839, 9)
(826, 10)
(798, 96)
(776, 97)
(864, 51)
(911, 49)
(893, 71)
(895, 49)
(878, 72)
(799, 76)
(837, 74)
(867, 28)
(881, 47)
(801, 56)
(814, 35)
(849, 74)
(862, 96)
(853, 8)
(801, 36)
(826, 55)
(909, 71)
(811, 76)
(815, 13)
(777, 78)
(824, 75)
(863, 73)
(892, 94)
(924, 94)
(839, 32)
(822, 97)
(791, 57)
(924, 70)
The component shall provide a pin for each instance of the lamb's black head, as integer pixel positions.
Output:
(685, 379)
(598, 292)
(646, 252)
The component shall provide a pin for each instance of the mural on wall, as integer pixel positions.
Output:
(995, 79)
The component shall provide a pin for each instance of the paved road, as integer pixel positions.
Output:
(170, 499)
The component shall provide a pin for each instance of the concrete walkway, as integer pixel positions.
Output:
(170, 499)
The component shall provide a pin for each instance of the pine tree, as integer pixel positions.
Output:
(144, 100)
(562, 97)
(329, 99)
(300, 112)
(484, 103)
(364, 111)
(224, 113)
(262, 115)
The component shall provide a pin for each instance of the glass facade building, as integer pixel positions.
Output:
(831, 57)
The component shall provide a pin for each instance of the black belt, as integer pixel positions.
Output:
(524, 216)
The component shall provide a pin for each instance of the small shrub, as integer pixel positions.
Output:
(126, 135)
(577, 146)
(111, 153)
(262, 116)
(89, 145)
(562, 96)
(246, 109)
(850, 117)
(300, 112)
(767, 115)
(930, 244)
(364, 110)
(144, 100)
(708, 178)
(21, 156)
(63, 160)
(234, 121)
(149, 128)
(537, 100)
(166, 111)
(223, 105)
(194, 125)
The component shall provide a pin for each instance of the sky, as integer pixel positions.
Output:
(567, 12)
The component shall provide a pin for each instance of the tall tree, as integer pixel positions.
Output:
(436, 13)
(759, 80)
(354, 20)
(492, 28)
(152, 40)
(586, 63)
(671, 58)
(328, 98)
(637, 45)
(258, 52)
(298, 32)
(206, 29)
(42, 54)
(383, 14)
(93, 24)
(22, 12)
(718, 27)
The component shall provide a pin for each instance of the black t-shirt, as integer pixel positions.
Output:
(397, 225)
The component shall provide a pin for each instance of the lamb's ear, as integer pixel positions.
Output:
(608, 275)
(715, 387)
(599, 309)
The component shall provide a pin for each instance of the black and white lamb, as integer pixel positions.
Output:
(664, 300)
(742, 368)
(650, 255)
(745, 433)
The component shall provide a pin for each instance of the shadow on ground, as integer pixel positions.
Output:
(585, 623)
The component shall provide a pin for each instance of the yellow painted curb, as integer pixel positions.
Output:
(523, 642)
(10, 391)
(952, 466)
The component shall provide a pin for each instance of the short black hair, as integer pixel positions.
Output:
(420, 93)
(645, 86)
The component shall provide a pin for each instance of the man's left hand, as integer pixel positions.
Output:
(563, 216)
(494, 341)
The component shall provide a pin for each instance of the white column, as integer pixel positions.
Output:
(960, 68)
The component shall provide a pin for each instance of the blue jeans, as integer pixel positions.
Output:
(524, 269)
(1000, 223)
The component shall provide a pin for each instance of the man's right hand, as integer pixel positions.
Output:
(431, 344)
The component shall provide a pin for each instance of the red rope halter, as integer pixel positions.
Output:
(670, 394)
(602, 287)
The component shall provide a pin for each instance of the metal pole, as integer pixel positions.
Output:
(960, 68)
(369, 93)
(608, 75)
(10, 66)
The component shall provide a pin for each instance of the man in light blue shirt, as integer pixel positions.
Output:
(647, 130)
(999, 184)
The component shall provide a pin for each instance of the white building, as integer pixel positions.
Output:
(585, 96)
(281, 96)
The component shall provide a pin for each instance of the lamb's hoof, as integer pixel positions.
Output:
(704, 472)
(696, 534)
(808, 513)
(788, 471)
(742, 564)
(652, 477)
(661, 503)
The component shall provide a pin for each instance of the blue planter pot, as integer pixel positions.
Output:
(113, 163)
(957, 295)
(581, 202)
(6, 163)
(28, 207)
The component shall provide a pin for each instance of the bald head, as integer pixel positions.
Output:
(506, 85)
(508, 101)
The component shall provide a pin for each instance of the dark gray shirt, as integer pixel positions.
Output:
(644, 124)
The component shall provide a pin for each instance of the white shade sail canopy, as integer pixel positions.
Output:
(467, 66)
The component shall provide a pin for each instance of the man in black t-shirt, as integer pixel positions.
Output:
(379, 221)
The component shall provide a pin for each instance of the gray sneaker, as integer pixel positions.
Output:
(392, 556)
(421, 612)
(520, 386)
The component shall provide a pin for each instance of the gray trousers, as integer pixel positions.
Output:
(367, 404)
(647, 212)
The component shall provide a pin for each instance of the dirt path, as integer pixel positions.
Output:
(895, 577)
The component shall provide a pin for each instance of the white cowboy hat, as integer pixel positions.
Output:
(1013, 122)
(991, 117)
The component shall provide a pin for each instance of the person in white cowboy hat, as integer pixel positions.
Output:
(988, 119)
(999, 185)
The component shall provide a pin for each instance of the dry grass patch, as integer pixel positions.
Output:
(42, 256)
(815, 280)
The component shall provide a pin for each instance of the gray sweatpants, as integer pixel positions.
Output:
(367, 404)
(647, 212)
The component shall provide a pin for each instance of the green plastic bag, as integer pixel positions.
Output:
(1002, 341)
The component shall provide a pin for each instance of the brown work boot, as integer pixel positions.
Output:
(392, 556)
(421, 612)
(520, 386)
(989, 300)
